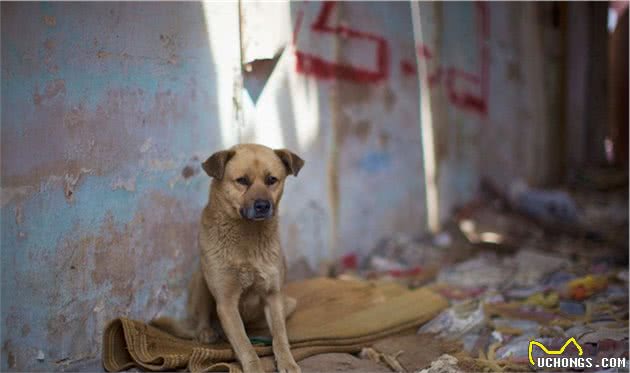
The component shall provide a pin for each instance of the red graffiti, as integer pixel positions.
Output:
(464, 89)
(453, 78)
(464, 99)
(407, 68)
(313, 65)
(474, 101)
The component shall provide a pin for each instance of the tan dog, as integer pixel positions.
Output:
(242, 264)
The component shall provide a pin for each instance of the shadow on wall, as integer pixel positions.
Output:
(107, 111)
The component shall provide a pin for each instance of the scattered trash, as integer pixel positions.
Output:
(558, 279)
(547, 300)
(381, 264)
(546, 285)
(482, 271)
(584, 287)
(523, 293)
(445, 364)
(572, 308)
(533, 266)
(402, 252)
(476, 236)
(515, 327)
(616, 293)
(340, 362)
(350, 261)
(456, 321)
(457, 292)
(549, 206)
(611, 348)
(442, 240)
(516, 349)
(391, 360)
(513, 310)
(616, 334)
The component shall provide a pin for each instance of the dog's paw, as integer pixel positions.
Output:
(288, 366)
(207, 335)
(253, 366)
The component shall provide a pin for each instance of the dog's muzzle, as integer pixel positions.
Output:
(261, 209)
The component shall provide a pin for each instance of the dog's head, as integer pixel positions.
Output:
(250, 178)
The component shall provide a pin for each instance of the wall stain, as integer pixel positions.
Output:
(19, 214)
(354, 93)
(103, 54)
(80, 141)
(189, 171)
(383, 138)
(25, 330)
(49, 44)
(77, 126)
(128, 184)
(71, 180)
(389, 98)
(123, 262)
(50, 21)
(8, 352)
(52, 89)
(49, 47)
(360, 129)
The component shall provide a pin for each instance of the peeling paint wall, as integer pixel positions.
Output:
(109, 108)
(345, 93)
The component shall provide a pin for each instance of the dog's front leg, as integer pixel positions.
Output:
(275, 316)
(227, 309)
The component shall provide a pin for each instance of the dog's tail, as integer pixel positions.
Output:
(177, 328)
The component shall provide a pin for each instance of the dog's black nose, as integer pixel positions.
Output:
(262, 206)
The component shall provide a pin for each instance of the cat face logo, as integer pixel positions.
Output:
(553, 352)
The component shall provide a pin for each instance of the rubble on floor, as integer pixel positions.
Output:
(338, 362)
(444, 364)
(511, 276)
(413, 352)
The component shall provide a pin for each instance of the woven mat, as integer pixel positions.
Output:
(331, 316)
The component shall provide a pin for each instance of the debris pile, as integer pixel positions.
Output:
(535, 265)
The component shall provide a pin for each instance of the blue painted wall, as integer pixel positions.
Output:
(107, 110)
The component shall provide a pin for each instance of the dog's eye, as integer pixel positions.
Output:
(243, 181)
(270, 180)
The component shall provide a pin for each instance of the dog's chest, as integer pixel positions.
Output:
(256, 276)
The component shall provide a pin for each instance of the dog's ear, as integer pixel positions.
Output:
(291, 161)
(215, 165)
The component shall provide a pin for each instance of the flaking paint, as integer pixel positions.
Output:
(108, 109)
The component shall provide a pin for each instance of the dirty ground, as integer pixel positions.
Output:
(533, 265)
(510, 276)
(537, 265)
